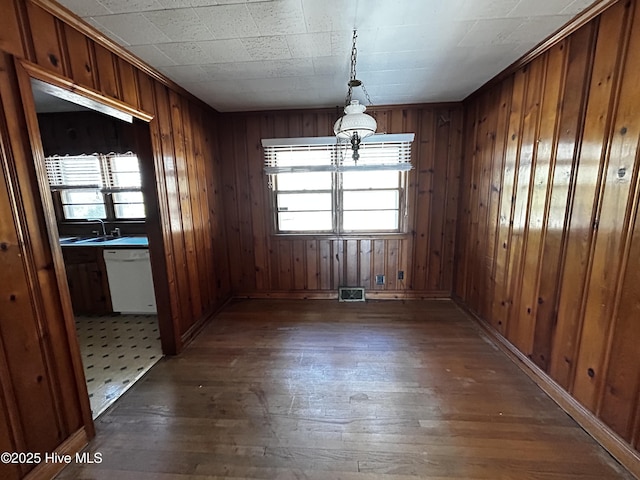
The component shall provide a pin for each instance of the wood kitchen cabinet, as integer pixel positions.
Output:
(87, 279)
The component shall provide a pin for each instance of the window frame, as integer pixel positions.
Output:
(106, 190)
(340, 164)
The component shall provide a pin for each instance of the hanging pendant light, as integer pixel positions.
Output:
(355, 125)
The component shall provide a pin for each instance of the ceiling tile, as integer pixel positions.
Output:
(182, 25)
(342, 41)
(475, 10)
(185, 73)
(267, 48)
(85, 8)
(576, 7)
(531, 28)
(186, 53)
(526, 8)
(309, 44)
(278, 18)
(133, 28)
(151, 55)
(329, 15)
(98, 26)
(332, 66)
(396, 60)
(372, 14)
(490, 32)
(262, 69)
(127, 6)
(228, 21)
(223, 51)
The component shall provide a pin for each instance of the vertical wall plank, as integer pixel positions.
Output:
(77, 47)
(10, 38)
(424, 178)
(44, 34)
(439, 195)
(501, 301)
(312, 265)
(454, 163)
(106, 65)
(299, 265)
(128, 84)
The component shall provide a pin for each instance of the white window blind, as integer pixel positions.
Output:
(317, 154)
(74, 172)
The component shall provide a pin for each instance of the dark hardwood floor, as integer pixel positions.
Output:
(326, 390)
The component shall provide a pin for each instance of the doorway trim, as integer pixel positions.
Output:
(142, 122)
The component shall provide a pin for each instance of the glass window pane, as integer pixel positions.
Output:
(125, 164)
(80, 212)
(304, 221)
(81, 196)
(371, 200)
(370, 220)
(129, 210)
(304, 201)
(304, 181)
(128, 197)
(379, 179)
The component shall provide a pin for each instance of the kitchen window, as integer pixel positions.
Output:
(96, 186)
(317, 188)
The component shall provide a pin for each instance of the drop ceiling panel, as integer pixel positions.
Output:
(262, 54)
(229, 21)
(180, 25)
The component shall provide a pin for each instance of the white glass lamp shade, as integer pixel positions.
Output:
(355, 121)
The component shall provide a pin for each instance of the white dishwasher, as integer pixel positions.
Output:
(130, 280)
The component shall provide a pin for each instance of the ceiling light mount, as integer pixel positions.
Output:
(355, 125)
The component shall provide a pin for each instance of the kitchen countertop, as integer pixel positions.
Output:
(136, 242)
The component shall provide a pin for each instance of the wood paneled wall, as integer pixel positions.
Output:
(549, 237)
(265, 264)
(42, 397)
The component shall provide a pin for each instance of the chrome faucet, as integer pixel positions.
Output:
(104, 230)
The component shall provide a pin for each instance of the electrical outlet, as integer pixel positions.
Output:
(379, 279)
(400, 275)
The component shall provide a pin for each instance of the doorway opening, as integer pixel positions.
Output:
(93, 159)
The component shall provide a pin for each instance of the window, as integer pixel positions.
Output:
(316, 188)
(97, 186)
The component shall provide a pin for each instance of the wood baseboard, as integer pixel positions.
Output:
(188, 336)
(72, 445)
(611, 441)
(333, 295)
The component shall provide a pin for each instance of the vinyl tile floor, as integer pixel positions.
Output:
(116, 351)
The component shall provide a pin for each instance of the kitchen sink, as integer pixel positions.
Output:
(97, 239)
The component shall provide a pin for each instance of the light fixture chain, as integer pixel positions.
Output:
(354, 55)
(366, 94)
(347, 99)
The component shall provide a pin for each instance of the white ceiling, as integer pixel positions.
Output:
(270, 54)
